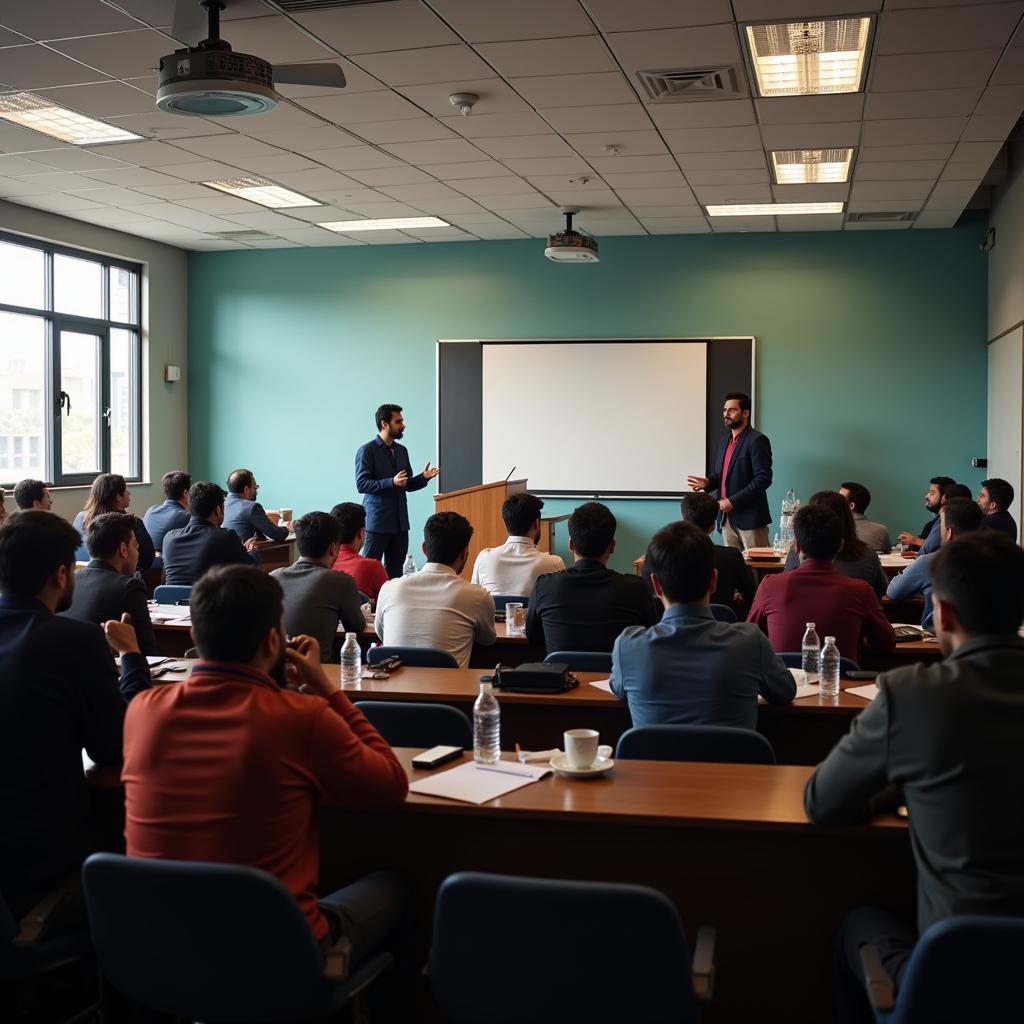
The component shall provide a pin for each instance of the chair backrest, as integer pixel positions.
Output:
(583, 661)
(964, 969)
(169, 593)
(415, 657)
(714, 743)
(794, 659)
(555, 936)
(203, 941)
(412, 724)
(500, 600)
(723, 613)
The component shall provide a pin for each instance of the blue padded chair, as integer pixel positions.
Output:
(500, 600)
(793, 659)
(962, 969)
(712, 743)
(723, 613)
(415, 657)
(652, 979)
(171, 593)
(212, 941)
(412, 724)
(27, 951)
(582, 661)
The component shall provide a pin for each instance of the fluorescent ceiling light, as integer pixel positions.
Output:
(772, 209)
(806, 166)
(385, 224)
(260, 190)
(45, 116)
(809, 58)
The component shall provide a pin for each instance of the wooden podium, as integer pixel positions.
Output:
(482, 507)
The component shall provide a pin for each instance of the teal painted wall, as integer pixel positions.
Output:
(870, 351)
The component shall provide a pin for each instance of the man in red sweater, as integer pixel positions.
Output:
(369, 573)
(231, 767)
(815, 592)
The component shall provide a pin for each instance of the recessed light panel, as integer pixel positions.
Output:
(809, 58)
(385, 224)
(262, 191)
(772, 209)
(811, 166)
(42, 115)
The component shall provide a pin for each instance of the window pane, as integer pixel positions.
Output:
(80, 379)
(22, 383)
(123, 403)
(77, 286)
(123, 304)
(22, 276)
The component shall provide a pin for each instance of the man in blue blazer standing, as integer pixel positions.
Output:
(384, 475)
(742, 476)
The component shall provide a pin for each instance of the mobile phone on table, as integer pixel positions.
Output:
(436, 756)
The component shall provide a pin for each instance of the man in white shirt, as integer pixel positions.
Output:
(513, 568)
(436, 607)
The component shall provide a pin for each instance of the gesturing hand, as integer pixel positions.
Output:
(303, 667)
(121, 635)
(251, 544)
(698, 483)
(429, 471)
(401, 479)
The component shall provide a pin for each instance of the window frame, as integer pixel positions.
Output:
(57, 322)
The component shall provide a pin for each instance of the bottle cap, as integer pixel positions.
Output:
(830, 639)
(810, 625)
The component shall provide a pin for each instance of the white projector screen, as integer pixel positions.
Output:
(595, 417)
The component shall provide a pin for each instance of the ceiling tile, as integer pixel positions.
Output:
(155, 124)
(951, 195)
(748, 159)
(416, 129)
(354, 158)
(670, 212)
(632, 164)
(446, 207)
(186, 218)
(637, 197)
(1002, 99)
(499, 231)
(778, 10)
(389, 238)
(989, 129)
(262, 220)
(104, 99)
(733, 193)
(525, 19)
(314, 181)
(445, 151)
(968, 151)
(36, 67)
(676, 225)
(811, 194)
(573, 55)
(701, 47)
(472, 169)
(728, 176)
(144, 154)
(109, 217)
(621, 117)
(810, 109)
(308, 139)
(363, 107)
(922, 151)
(19, 166)
(121, 55)
(578, 90)
(644, 143)
(654, 179)
(811, 222)
(401, 175)
(288, 116)
(356, 80)
(811, 136)
(936, 219)
(526, 146)
(271, 165)
(375, 28)
(495, 96)
(890, 190)
(479, 187)
(474, 219)
(912, 130)
(524, 201)
(952, 70)
(564, 165)
(275, 39)
(897, 225)
(229, 148)
(133, 177)
(551, 183)
(922, 103)
(342, 197)
(885, 170)
(493, 126)
(616, 16)
(218, 204)
(20, 140)
(973, 27)
(412, 193)
(965, 170)
(40, 20)
(703, 140)
(200, 170)
(426, 65)
(315, 236)
(9, 38)
(706, 114)
(173, 193)
(319, 214)
(734, 225)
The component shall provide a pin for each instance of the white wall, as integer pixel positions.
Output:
(164, 340)
(1006, 261)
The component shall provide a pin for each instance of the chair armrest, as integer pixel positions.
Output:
(880, 990)
(34, 924)
(703, 966)
(338, 958)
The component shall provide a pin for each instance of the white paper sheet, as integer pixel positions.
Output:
(869, 692)
(602, 684)
(476, 784)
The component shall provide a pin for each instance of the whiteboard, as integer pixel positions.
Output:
(593, 417)
(1005, 418)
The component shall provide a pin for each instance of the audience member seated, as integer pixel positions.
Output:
(948, 734)
(110, 493)
(585, 607)
(994, 500)
(172, 514)
(932, 502)
(245, 515)
(369, 573)
(201, 544)
(316, 599)
(59, 693)
(233, 764)
(956, 517)
(855, 559)
(435, 607)
(107, 588)
(736, 587)
(513, 567)
(690, 669)
(815, 592)
(33, 494)
(934, 539)
(875, 535)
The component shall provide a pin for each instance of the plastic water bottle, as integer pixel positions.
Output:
(351, 661)
(486, 727)
(408, 566)
(810, 653)
(789, 506)
(830, 668)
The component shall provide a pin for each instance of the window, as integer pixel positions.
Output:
(70, 364)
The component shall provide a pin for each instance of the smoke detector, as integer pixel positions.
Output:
(571, 246)
(463, 102)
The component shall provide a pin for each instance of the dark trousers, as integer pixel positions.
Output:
(389, 548)
(366, 912)
(894, 942)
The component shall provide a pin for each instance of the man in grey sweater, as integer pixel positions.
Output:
(317, 598)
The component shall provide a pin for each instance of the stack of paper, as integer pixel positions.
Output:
(869, 692)
(474, 783)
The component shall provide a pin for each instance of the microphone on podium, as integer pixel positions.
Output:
(510, 472)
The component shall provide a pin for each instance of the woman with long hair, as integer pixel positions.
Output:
(109, 493)
(855, 558)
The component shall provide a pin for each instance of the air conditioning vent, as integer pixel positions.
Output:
(879, 218)
(303, 6)
(244, 236)
(693, 84)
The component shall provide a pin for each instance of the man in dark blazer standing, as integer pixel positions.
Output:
(742, 476)
(383, 474)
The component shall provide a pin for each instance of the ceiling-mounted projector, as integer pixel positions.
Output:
(209, 79)
(570, 246)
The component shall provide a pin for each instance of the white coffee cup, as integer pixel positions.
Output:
(515, 618)
(581, 747)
